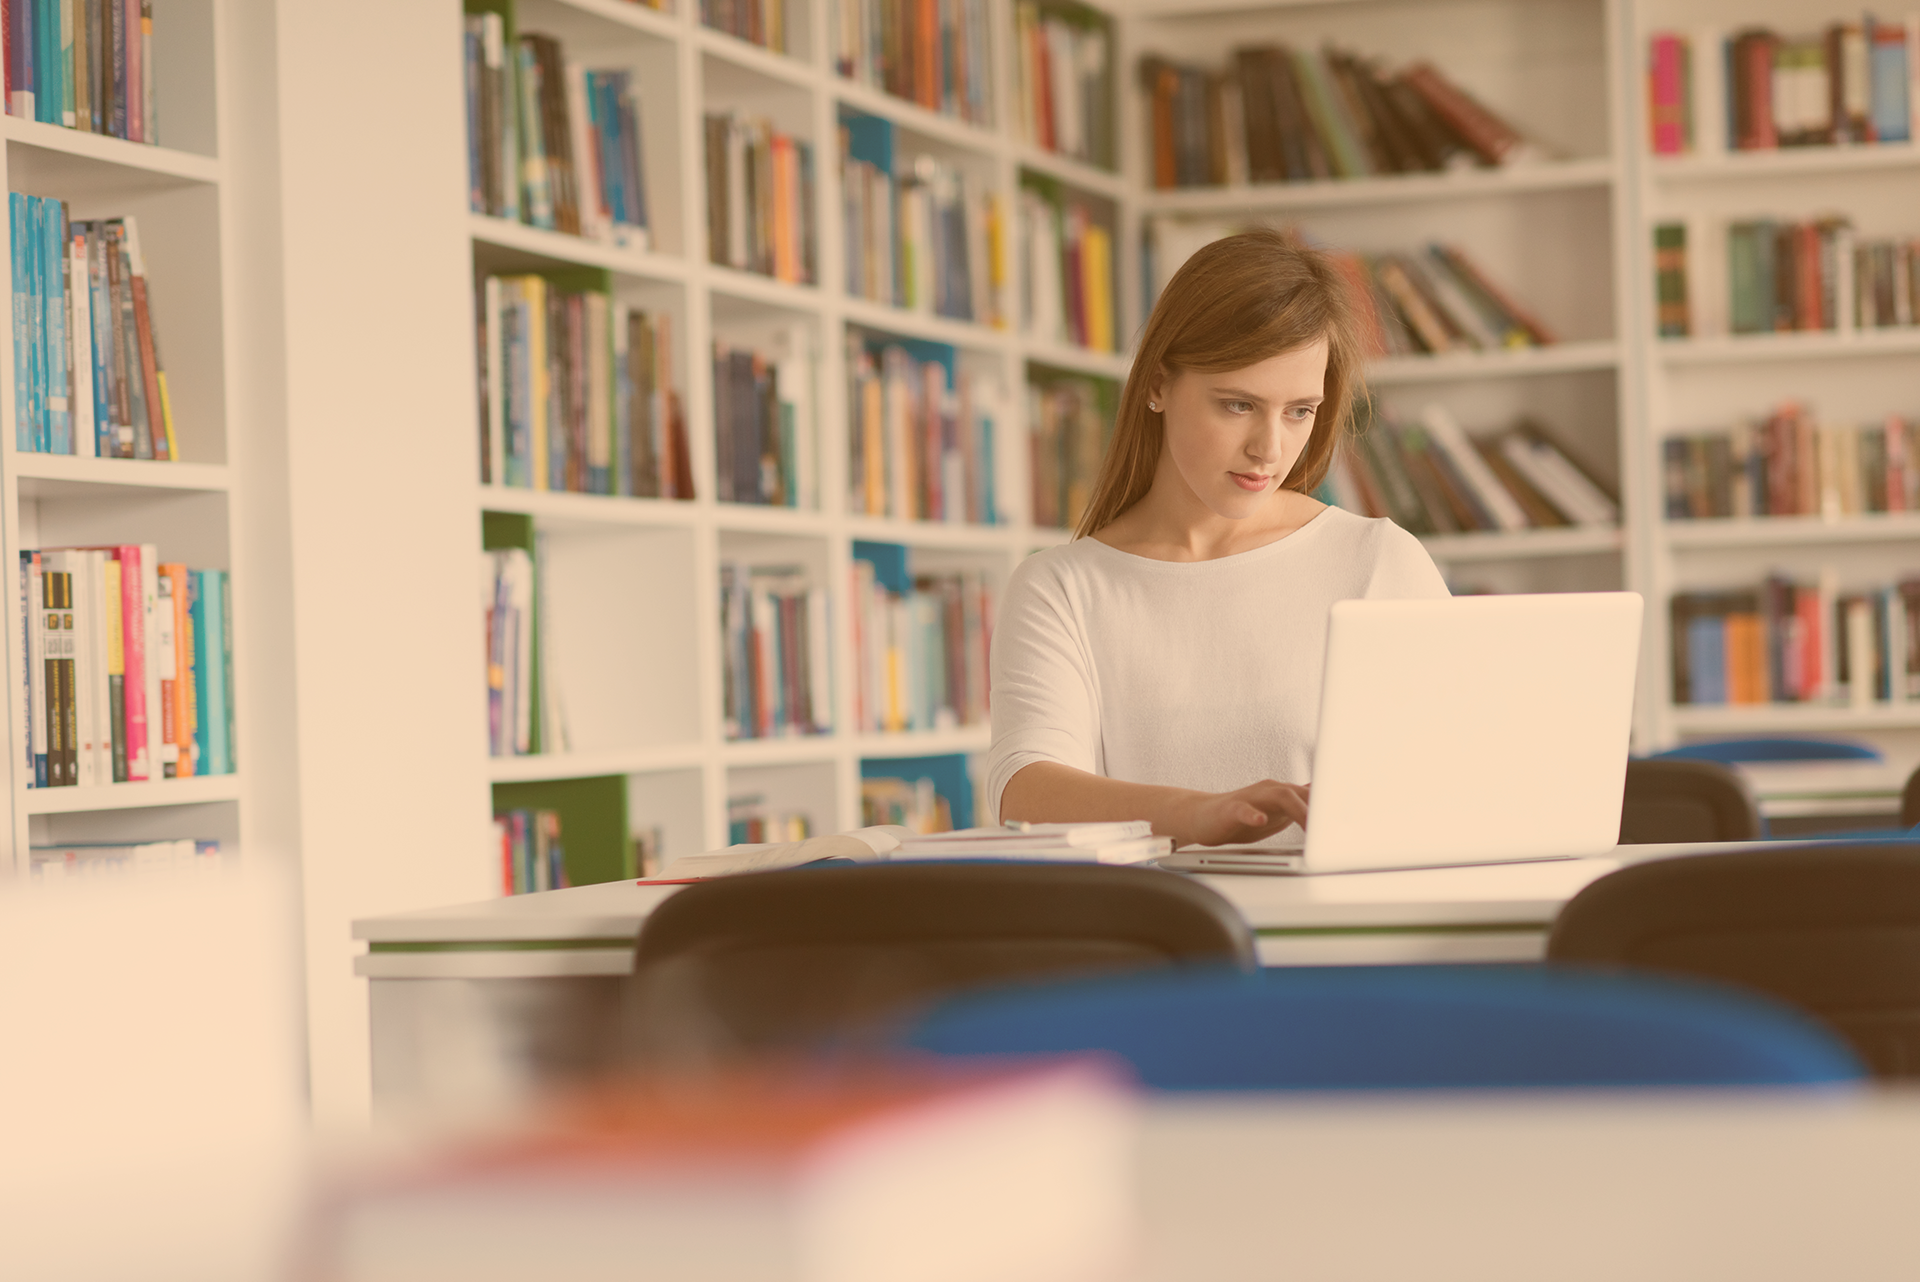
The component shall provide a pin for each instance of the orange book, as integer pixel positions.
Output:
(926, 54)
(177, 706)
(785, 262)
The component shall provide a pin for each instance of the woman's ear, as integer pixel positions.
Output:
(1157, 387)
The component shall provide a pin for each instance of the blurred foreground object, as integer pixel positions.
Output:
(152, 1110)
(813, 1174)
(1831, 929)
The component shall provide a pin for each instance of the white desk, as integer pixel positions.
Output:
(1657, 1187)
(475, 1002)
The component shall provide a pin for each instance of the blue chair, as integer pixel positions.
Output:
(1729, 751)
(1403, 1028)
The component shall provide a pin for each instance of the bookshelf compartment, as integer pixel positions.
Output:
(593, 831)
(608, 594)
(891, 410)
(1580, 411)
(934, 793)
(668, 809)
(776, 638)
(196, 821)
(186, 525)
(763, 456)
(1070, 277)
(807, 790)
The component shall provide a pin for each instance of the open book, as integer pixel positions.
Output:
(1130, 842)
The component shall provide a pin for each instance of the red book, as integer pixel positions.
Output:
(1758, 132)
(1808, 287)
(133, 632)
(1807, 607)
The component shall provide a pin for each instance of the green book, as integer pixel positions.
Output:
(1750, 252)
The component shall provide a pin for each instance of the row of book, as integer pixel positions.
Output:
(760, 198)
(532, 855)
(1846, 84)
(84, 64)
(1277, 114)
(766, 23)
(913, 804)
(922, 444)
(1431, 477)
(1063, 79)
(1791, 276)
(127, 667)
(936, 55)
(773, 632)
(576, 389)
(1787, 642)
(550, 142)
(920, 644)
(1067, 245)
(1438, 300)
(763, 415)
(927, 236)
(89, 859)
(749, 819)
(1789, 464)
(87, 374)
(1070, 419)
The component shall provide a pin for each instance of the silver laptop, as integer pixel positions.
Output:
(1485, 729)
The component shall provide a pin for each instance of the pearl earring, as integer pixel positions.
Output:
(1153, 407)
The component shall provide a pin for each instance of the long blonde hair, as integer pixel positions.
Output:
(1235, 303)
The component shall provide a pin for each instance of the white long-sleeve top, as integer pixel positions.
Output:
(1194, 674)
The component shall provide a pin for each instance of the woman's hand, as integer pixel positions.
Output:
(1240, 817)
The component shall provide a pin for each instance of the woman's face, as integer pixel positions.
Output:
(1234, 436)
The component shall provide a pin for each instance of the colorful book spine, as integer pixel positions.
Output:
(921, 433)
(920, 644)
(773, 625)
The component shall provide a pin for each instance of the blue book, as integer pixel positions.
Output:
(989, 507)
(36, 262)
(53, 244)
(46, 68)
(1707, 659)
(1887, 105)
(100, 311)
(22, 331)
(210, 671)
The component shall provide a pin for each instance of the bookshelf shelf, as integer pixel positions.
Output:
(1772, 717)
(1762, 348)
(930, 534)
(755, 288)
(1073, 173)
(135, 158)
(1790, 531)
(912, 116)
(1078, 360)
(558, 247)
(1560, 358)
(638, 16)
(51, 475)
(585, 765)
(562, 508)
(789, 750)
(902, 323)
(1524, 544)
(1464, 184)
(1783, 163)
(751, 57)
(925, 743)
(751, 518)
(128, 796)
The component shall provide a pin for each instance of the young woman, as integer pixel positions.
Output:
(1166, 664)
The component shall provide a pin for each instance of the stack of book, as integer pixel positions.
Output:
(1070, 419)
(532, 856)
(1787, 464)
(576, 389)
(1787, 642)
(760, 198)
(762, 22)
(921, 448)
(1066, 242)
(763, 419)
(113, 859)
(86, 360)
(936, 56)
(1787, 276)
(1063, 79)
(550, 143)
(1431, 477)
(750, 821)
(1296, 115)
(920, 644)
(1127, 842)
(913, 804)
(773, 630)
(930, 239)
(1846, 84)
(127, 672)
(85, 64)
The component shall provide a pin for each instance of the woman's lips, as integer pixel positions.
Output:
(1253, 482)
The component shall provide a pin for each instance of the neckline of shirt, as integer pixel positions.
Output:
(1317, 520)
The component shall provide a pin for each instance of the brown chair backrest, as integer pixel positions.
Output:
(1670, 799)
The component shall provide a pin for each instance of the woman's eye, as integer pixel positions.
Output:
(1301, 413)
(1238, 407)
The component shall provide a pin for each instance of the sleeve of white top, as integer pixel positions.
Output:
(1402, 570)
(1043, 700)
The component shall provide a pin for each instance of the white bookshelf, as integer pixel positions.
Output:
(1711, 379)
(190, 509)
